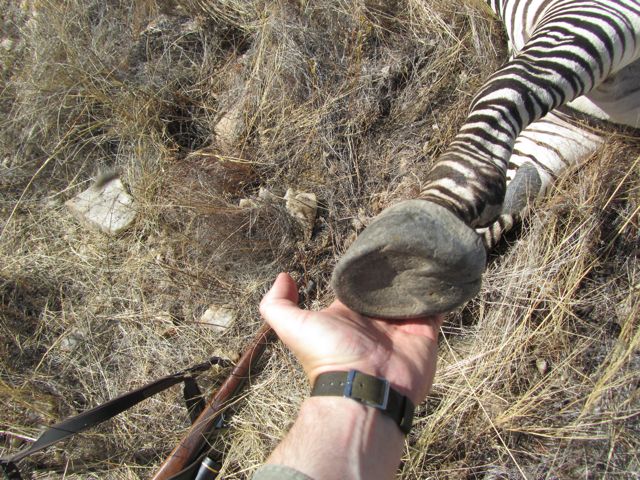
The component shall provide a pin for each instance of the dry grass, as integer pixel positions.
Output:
(351, 100)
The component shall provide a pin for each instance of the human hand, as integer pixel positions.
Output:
(339, 339)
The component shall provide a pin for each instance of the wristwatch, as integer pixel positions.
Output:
(369, 390)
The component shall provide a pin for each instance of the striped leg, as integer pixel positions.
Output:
(423, 256)
(575, 47)
(541, 153)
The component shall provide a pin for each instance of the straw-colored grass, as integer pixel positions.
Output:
(351, 100)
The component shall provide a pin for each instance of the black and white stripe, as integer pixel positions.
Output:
(576, 52)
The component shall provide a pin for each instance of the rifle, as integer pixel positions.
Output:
(189, 460)
(97, 415)
(190, 454)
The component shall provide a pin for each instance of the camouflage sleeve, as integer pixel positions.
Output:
(278, 472)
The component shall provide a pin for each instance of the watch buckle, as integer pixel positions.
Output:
(348, 391)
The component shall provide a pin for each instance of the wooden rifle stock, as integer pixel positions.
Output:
(192, 444)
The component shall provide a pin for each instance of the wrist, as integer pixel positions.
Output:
(369, 390)
(336, 437)
(413, 386)
(356, 421)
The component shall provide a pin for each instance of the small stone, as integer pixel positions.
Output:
(219, 318)
(170, 332)
(542, 365)
(266, 195)
(359, 221)
(6, 44)
(303, 206)
(106, 206)
(70, 342)
(247, 203)
(228, 127)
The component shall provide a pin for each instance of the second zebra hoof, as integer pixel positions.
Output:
(415, 259)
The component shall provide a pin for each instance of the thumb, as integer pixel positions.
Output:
(280, 303)
(283, 288)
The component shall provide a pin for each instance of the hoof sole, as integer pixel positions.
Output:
(415, 259)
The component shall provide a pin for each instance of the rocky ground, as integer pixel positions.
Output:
(252, 137)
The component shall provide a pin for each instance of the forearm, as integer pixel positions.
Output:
(339, 438)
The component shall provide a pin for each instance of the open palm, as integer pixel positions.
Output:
(339, 339)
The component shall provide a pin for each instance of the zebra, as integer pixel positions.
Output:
(548, 146)
(427, 256)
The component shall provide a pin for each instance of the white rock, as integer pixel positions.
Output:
(266, 196)
(360, 221)
(219, 318)
(107, 207)
(303, 206)
(70, 342)
(247, 203)
(6, 44)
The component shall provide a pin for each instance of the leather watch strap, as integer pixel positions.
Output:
(369, 390)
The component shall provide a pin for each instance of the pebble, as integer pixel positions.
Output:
(302, 206)
(542, 366)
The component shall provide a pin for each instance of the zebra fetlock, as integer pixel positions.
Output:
(454, 184)
(547, 147)
(521, 192)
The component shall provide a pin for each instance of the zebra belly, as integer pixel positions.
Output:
(617, 99)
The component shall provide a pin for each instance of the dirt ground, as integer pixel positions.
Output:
(197, 105)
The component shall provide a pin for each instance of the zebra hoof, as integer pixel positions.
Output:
(415, 259)
(522, 190)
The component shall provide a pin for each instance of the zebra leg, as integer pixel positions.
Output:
(541, 153)
(423, 256)
(576, 46)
